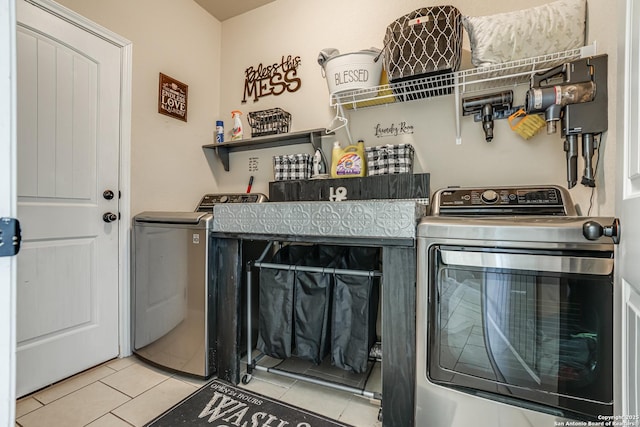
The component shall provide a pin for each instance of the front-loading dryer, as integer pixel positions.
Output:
(514, 310)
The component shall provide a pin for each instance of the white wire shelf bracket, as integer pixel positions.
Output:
(472, 80)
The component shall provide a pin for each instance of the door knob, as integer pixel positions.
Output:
(109, 217)
(593, 230)
(108, 194)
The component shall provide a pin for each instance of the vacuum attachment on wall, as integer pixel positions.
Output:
(486, 108)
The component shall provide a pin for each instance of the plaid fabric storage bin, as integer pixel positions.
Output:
(292, 166)
(389, 159)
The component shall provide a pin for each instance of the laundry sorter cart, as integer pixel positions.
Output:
(326, 301)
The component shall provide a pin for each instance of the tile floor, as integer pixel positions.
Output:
(128, 392)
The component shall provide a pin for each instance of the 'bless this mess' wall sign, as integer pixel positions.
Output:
(274, 79)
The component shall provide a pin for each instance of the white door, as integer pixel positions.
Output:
(628, 209)
(7, 209)
(68, 152)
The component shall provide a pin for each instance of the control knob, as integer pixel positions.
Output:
(489, 196)
(224, 198)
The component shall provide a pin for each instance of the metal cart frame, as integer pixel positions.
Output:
(252, 362)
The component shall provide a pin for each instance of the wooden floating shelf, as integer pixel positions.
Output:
(269, 141)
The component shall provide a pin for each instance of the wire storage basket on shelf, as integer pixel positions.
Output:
(479, 79)
(269, 122)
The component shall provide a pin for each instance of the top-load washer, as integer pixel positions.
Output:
(173, 300)
(514, 310)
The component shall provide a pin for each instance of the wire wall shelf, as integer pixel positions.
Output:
(473, 80)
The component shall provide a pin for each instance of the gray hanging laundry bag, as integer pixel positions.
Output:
(355, 310)
(312, 303)
(275, 318)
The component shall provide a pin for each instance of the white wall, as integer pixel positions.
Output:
(181, 40)
(170, 171)
(304, 27)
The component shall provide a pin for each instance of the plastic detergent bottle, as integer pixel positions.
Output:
(236, 132)
(348, 162)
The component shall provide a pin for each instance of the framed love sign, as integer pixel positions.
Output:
(172, 98)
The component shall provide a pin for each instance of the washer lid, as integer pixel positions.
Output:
(171, 217)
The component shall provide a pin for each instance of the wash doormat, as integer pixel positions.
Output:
(221, 405)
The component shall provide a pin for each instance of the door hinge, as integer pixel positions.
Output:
(10, 237)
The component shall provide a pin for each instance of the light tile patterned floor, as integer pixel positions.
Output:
(129, 392)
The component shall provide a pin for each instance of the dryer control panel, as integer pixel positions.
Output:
(544, 200)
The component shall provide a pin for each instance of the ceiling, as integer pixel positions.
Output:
(225, 9)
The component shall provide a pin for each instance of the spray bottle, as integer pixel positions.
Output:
(236, 132)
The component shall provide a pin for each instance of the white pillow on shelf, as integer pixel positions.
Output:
(554, 27)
